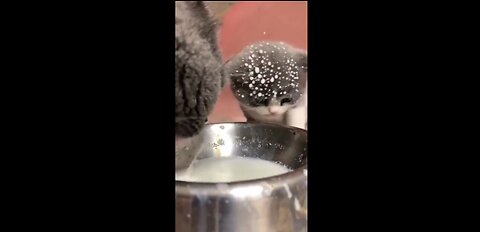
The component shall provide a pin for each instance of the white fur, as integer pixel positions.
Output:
(291, 115)
(262, 113)
(297, 116)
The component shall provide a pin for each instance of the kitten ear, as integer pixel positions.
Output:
(226, 73)
(225, 80)
(228, 68)
(301, 57)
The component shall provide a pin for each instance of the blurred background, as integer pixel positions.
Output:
(244, 23)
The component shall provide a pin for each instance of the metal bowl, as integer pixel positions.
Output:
(276, 203)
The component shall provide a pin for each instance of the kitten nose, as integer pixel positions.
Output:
(180, 141)
(273, 110)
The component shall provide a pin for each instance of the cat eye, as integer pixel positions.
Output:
(285, 100)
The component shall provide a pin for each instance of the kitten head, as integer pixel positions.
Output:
(268, 77)
(198, 67)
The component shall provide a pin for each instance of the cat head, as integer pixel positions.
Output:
(268, 77)
(198, 67)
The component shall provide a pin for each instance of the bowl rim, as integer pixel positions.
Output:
(298, 172)
(259, 123)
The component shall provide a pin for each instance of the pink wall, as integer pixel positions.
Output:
(249, 22)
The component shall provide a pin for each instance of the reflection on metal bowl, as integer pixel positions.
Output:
(272, 204)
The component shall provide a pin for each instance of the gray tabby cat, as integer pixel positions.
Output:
(269, 79)
(198, 67)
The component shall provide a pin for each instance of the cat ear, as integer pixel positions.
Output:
(210, 25)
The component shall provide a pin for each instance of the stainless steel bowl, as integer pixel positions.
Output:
(272, 204)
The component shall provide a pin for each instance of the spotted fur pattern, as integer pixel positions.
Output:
(269, 80)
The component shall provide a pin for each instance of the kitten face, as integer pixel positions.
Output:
(271, 108)
(198, 67)
(268, 78)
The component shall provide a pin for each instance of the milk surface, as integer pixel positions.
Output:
(229, 169)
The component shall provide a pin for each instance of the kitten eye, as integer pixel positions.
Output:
(262, 102)
(285, 100)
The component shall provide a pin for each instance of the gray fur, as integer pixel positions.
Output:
(266, 72)
(198, 67)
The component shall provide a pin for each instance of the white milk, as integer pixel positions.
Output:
(229, 169)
